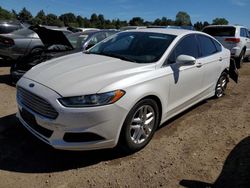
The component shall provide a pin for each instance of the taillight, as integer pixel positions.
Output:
(233, 40)
(7, 41)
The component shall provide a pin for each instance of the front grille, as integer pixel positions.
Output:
(31, 121)
(36, 104)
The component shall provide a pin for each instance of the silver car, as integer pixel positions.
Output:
(21, 43)
(121, 89)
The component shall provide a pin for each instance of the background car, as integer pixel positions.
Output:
(126, 28)
(87, 29)
(165, 27)
(10, 26)
(21, 43)
(234, 38)
(56, 45)
(87, 39)
(122, 89)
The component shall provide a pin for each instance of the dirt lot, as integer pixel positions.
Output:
(208, 145)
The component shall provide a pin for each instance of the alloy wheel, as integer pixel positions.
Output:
(142, 124)
(221, 86)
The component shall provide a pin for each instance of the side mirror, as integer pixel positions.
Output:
(185, 60)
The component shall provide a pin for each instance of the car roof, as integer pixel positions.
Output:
(169, 31)
(240, 26)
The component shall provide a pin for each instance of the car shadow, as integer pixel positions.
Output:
(4, 63)
(178, 116)
(20, 151)
(235, 172)
(6, 79)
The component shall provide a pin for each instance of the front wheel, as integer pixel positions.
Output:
(140, 125)
(221, 85)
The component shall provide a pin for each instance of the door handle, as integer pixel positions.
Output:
(199, 65)
(220, 59)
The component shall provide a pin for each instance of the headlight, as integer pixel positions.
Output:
(92, 100)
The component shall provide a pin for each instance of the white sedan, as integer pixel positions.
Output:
(122, 89)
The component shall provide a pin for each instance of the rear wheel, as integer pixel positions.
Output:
(140, 125)
(221, 85)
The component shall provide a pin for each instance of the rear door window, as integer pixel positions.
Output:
(207, 46)
(187, 46)
(8, 29)
(217, 45)
(220, 31)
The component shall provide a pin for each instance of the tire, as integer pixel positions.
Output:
(136, 132)
(240, 59)
(36, 51)
(221, 85)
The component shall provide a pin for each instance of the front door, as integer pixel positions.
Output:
(185, 86)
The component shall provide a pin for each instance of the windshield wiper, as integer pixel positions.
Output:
(119, 56)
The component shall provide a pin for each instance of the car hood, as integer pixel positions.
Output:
(51, 37)
(81, 74)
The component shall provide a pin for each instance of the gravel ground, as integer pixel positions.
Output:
(207, 146)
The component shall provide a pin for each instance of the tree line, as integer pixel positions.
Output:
(99, 21)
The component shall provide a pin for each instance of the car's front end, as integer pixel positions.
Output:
(62, 103)
(69, 128)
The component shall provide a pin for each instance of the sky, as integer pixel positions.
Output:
(235, 11)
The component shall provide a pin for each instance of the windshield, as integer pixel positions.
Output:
(220, 31)
(77, 39)
(139, 47)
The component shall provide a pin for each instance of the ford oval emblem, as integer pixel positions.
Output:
(32, 85)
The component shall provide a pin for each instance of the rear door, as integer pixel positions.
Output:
(212, 60)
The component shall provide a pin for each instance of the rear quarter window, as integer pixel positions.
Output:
(243, 32)
(217, 45)
(8, 29)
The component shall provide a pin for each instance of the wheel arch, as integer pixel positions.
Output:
(158, 101)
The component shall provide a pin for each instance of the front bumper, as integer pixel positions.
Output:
(104, 121)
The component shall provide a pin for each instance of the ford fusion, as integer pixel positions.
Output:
(122, 89)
